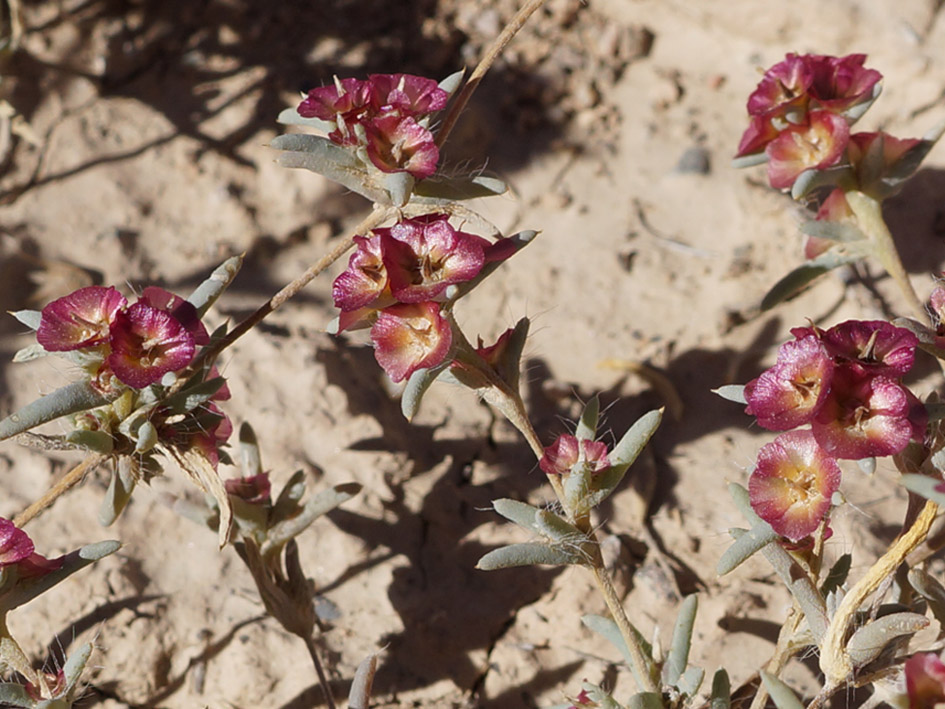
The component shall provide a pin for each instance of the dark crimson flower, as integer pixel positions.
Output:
(568, 451)
(872, 346)
(792, 392)
(817, 144)
(792, 484)
(399, 144)
(343, 104)
(756, 137)
(410, 95)
(925, 681)
(425, 255)
(784, 86)
(839, 83)
(365, 279)
(867, 417)
(80, 319)
(408, 337)
(146, 344)
(183, 311)
(255, 489)
(15, 544)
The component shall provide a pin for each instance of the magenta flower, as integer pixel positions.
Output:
(873, 347)
(408, 337)
(365, 279)
(399, 144)
(568, 451)
(792, 392)
(15, 544)
(210, 440)
(146, 344)
(343, 104)
(925, 681)
(868, 416)
(255, 489)
(410, 95)
(784, 86)
(792, 484)
(839, 83)
(817, 144)
(425, 255)
(756, 137)
(80, 319)
(181, 310)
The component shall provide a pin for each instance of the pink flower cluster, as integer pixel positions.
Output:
(395, 283)
(846, 383)
(135, 344)
(801, 114)
(569, 451)
(16, 550)
(387, 115)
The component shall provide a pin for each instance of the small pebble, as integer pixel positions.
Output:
(694, 160)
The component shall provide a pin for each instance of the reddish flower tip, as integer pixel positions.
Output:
(146, 344)
(568, 451)
(80, 319)
(365, 279)
(255, 489)
(792, 484)
(15, 544)
(408, 337)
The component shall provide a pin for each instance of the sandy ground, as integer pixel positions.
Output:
(139, 156)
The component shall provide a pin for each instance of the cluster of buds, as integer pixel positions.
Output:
(846, 383)
(397, 284)
(121, 344)
(388, 115)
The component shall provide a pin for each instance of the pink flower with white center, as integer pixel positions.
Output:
(425, 255)
(568, 452)
(146, 344)
(365, 279)
(792, 392)
(816, 145)
(873, 347)
(792, 484)
(410, 95)
(408, 337)
(868, 417)
(15, 544)
(839, 83)
(255, 489)
(925, 681)
(80, 319)
(399, 144)
(783, 87)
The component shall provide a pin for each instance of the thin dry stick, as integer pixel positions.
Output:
(322, 679)
(511, 29)
(69, 480)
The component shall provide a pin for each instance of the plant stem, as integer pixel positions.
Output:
(322, 679)
(869, 214)
(834, 661)
(488, 59)
(68, 481)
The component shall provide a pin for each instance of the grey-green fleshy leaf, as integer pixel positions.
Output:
(399, 186)
(320, 155)
(781, 694)
(894, 176)
(14, 695)
(191, 397)
(721, 694)
(146, 437)
(120, 488)
(30, 318)
(528, 554)
(452, 82)
(645, 700)
(745, 545)
(29, 353)
(810, 180)
(442, 190)
(622, 457)
(837, 575)
(287, 504)
(749, 160)
(520, 513)
(70, 399)
(416, 388)
(323, 502)
(931, 590)
(292, 117)
(250, 458)
(732, 392)
(690, 681)
(806, 273)
(925, 486)
(95, 441)
(27, 589)
(360, 695)
(206, 294)
(587, 425)
(678, 656)
(868, 642)
(75, 665)
(608, 629)
(557, 529)
(833, 231)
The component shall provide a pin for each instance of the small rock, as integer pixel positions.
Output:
(694, 160)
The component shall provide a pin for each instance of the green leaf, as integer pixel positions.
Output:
(833, 231)
(399, 185)
(250, 458)
(292, 117)
(320, 155)
(190, 397)
(732, 392)
(70, 399)
(416, 388)
(558, 530)
(528, 554)
(608, 629)
(522, 514)
(645, 700)
(798, 279)
(95, 441)
(30, 352)
(781, 694)
(746, 543)
(720, 698)
(441, 189)
(452, 82)
(14, 695)
(690, 681)
(810, 180)
(75, 665)
(635, 440)
(287, 504)
(587, 425)
(925, 486)
(206, 294)
(120, 488)
(678, 656)
(868, 642)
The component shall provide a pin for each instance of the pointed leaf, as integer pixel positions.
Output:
(837, 575)
(70, 399)
(360, 695)
(745, 545)
(868, 642)
(720, 698)
(441, 189)
(781, 694)
(399, 186)
(292, 117)
(810, 180)
(416, 388)
(323, 502)
(587, 425)
(452, 82)
(30, 352)
(678, 656)
(645, 700)
(690, 681)
(931, 590)
(528, 554)
(522, 514)
(120, 488)
(30, 318)
(206, 294)
(250, 458)
(927, 487)
(287, 504)
(635, 440)
(320, 155)
(798, 279)
(833, 231)
(732, 392)
(749, 160)
(95, 441)
(190, 397)
(558, 530)
(72, 670)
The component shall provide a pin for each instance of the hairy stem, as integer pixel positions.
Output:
(68, 481)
